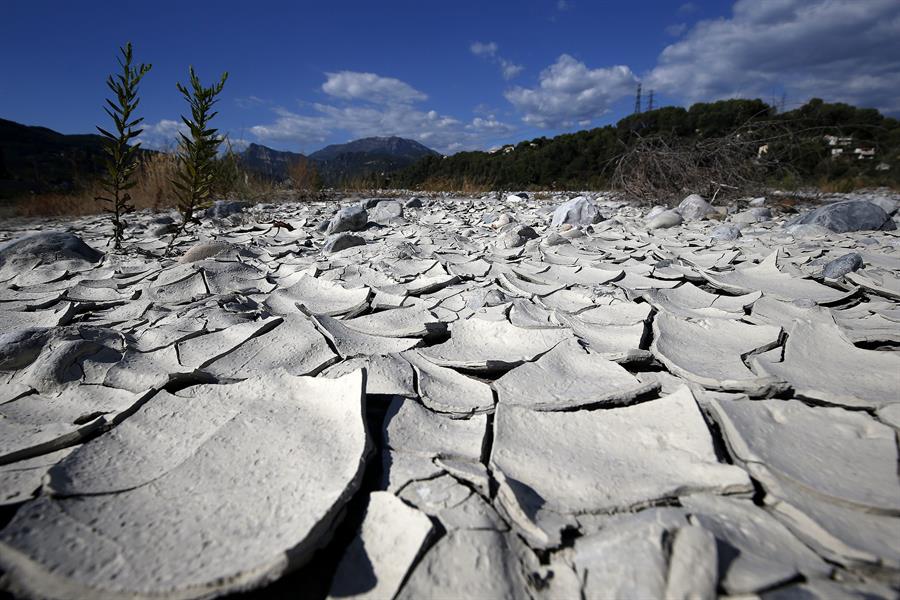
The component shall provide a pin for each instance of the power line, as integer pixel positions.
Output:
(637, 100)
(650, 102)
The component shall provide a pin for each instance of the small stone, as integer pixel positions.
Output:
(725, 233)
(843, 265)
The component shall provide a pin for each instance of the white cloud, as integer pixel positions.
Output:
(352, 85)
(676, 29)
(483, 49)
(399, 117)
(840, 50)
(563, 5)
(509, 69)
(162, 135)
(249, 101)
(569, 93)
(489, 50)
(291, 127)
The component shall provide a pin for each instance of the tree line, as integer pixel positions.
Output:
(789, 149)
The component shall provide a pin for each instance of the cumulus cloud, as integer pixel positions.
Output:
(162, 135)
(352, 85)
(840, 50)
(398, 117)
(676, 29)
(483, 49)
(489, 50)
(292, 127)
(569, 92)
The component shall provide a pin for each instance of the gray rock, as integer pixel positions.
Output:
(758, 202)
(762, 213)
(888, 205)
(386, 212)
(850, 215)
(656, 210)
(516, 235)
(205, 250)
(167, 229)
(349, 218)
(368, 203)
(694, 207)
(47, 248)
(725, 233)
(555, 239)
(578, 211)
(413, 203)
(843, 265)
(225, 208)
(665, 219)
(341, 241)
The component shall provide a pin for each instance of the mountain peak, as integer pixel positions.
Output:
(392, 146)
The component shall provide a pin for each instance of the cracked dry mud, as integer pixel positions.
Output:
(474, 398)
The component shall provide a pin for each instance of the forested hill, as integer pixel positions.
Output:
(586, 159)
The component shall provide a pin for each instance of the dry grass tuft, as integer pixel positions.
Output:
(153, 190)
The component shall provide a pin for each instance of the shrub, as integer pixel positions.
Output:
(121, 157)
(195, 178)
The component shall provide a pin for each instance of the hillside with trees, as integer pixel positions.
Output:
(816, 144)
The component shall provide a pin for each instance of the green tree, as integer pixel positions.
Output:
(121, 157)
(194, 181)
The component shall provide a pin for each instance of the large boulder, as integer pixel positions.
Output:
(350, 218)
(850, 215)
(888, 205)
(665, 219)
(47, 248)
(341, 241)
(578, 211)
(388, 211)
(694, 207)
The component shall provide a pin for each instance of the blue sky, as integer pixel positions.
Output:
(453, 75)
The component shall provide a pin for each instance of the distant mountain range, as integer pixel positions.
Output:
(37, 159)
(40, 159)
(339, 163)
